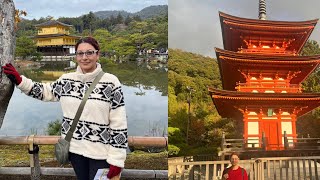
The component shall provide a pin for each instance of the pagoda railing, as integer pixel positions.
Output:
(302, 144)
(269, 51)
(271, 86)
(259, 144)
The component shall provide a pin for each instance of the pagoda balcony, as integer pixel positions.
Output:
(56, 43)
(49, 32)
(260, 143)
(269, 87)
(274, 51)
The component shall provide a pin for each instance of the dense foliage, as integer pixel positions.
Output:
(206, 126)
(308, 125)
(25, 47)
(120, 37)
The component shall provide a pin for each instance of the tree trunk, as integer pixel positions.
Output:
(7, 47)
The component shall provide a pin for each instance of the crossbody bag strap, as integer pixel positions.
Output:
(81, 106)
(242, 173)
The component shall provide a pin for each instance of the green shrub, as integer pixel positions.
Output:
(173, 150)
(54, 128)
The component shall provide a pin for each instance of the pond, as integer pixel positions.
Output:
(145, 92)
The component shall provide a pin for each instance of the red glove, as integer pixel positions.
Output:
(12, 73)
(113, 171)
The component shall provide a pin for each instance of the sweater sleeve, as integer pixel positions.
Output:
(118, 127)
(41, 91)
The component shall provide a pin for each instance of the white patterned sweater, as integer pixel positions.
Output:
(101, 132)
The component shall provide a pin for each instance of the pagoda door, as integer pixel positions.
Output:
(270, 129)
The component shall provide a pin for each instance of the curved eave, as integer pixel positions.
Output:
(265, 57)
(267, 22)
(299, 30)
(235, 94)
(52, 23)
(231, 62)
(228, 102)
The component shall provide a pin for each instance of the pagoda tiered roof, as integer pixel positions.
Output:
(233, 64)
(52, 23)
(290, 36)
(229, 103)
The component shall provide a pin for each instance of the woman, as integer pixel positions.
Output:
(100, 139)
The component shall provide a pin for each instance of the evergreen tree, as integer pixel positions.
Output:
(25, 47)
(127, 20)
(119, 19)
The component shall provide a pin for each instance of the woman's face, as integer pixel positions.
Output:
(87, 57)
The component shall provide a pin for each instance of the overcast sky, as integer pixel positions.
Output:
(76, 8)
(194, 25)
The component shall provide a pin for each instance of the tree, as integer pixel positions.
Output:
(7, 41)
(112, 20)
(119, 19)
(206, 126)
(127, 20)
(310, 48)
(137, 27)
(311, 84)
(122, 47)
(89, 21)
(173, 150)
(104, 37)
(137, 18)
(25, 47)
(307, 124)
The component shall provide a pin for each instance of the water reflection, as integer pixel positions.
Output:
(145, 94)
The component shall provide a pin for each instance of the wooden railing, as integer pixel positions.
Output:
(56, 58)
(309, 146)
(240, 145)
(277, 88)
(289, 168)
(295, 168)
(36, 171)
(302, 143)
(203, 169)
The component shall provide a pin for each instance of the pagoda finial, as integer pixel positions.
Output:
(262, 10)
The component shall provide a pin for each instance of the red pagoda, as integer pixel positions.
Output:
(261, 73)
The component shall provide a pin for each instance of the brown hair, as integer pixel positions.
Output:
(89, 40)
(234, 153)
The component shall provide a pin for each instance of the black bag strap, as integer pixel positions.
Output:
(81, 106)
(242, 173)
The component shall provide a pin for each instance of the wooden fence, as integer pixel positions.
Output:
(36, 171)
(281, 168)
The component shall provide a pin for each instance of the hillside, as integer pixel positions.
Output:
(206, 126)
(145, 13)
